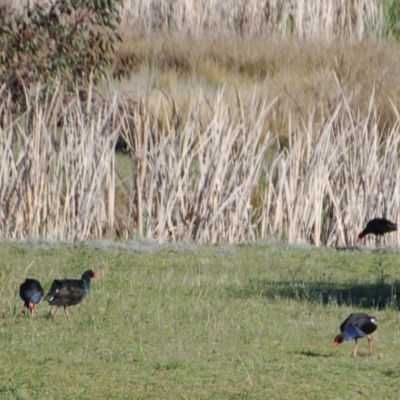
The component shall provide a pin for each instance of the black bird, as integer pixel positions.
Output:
(31, 293)
(69, 292)
(378, 227)
(357, 326)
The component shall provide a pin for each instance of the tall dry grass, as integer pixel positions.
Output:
(246, 137)
(227, 182)
(327, 184)
(311, 19)
(194, 181)
(300, 73)
(298, 18)
(211, 173)
(56, 182)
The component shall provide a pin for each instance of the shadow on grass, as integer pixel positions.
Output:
(347, 248)
(365, 295)
(391, 373)
(311, 353)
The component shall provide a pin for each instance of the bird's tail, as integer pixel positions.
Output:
(49, 297)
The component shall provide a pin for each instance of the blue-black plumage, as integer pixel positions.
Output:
(377, 227)
(69, 292)
(31, 292)
(357, 326)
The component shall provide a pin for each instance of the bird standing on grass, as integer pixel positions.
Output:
(31, 293)
(69, 292)
(378, 227)
(357, 326)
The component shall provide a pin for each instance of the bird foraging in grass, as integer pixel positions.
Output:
(69, 292)
(357, 326)
(378, 227)
(31, 293)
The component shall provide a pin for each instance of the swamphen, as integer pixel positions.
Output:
(31, 293)
(377, 226)
(69, 292)
(356, 326)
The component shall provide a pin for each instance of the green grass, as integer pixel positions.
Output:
(187, 322)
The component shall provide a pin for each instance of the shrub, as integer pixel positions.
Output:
(73, 41)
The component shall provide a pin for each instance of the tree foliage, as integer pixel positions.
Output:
(69, 40)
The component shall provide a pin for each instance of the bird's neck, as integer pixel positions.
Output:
(87, 282)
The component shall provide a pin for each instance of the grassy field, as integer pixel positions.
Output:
(187, 322)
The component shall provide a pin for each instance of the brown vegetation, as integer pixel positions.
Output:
(230, 136)
(220, 176)
(304, 75)
(303, 19)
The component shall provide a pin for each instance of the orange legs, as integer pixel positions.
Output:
(66, 312)
(355, 348)
(369, 347)
(55, 314)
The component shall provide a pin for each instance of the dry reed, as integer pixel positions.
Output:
(56, 182)
(312, 19)
(219, 176)
(297, 18)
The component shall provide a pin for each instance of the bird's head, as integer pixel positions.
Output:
(89, 274)
(31, 306)
(337, 341)
(359, 238)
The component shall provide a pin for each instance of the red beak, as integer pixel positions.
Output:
(31, 307)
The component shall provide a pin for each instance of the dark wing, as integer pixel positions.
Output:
(367, 326)
(390, 226)
(347, 321)
(380, 226)
(66, 292)
(361, 321)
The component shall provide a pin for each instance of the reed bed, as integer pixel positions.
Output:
(311, 19)
(302, 19)
(327, 184)
(208, 174)
(56, 182)
(194, 182)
